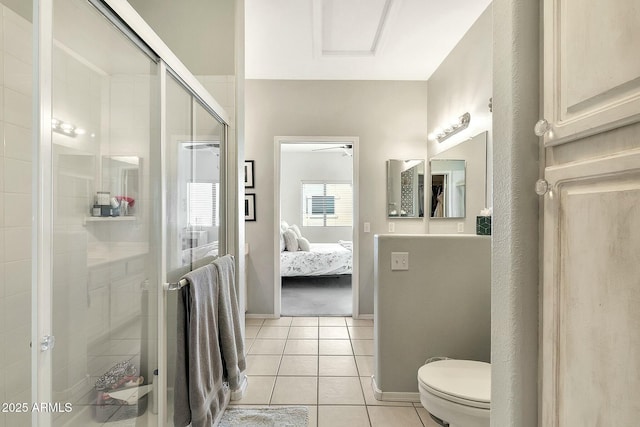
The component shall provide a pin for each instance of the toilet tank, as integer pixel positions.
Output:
(440, 306)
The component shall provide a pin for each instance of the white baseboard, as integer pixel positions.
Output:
(239, 393)
(260, 316)
(364, 317)
(393, 396)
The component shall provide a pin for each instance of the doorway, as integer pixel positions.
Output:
(315, 226)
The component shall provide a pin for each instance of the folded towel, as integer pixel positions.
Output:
(229, 323)
(200, 392)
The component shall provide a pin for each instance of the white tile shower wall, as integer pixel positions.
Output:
(15, 211)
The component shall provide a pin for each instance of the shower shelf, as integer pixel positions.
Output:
(108, 218)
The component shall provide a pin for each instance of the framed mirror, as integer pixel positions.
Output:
(405, 188)
(448, 188)
(121, 178)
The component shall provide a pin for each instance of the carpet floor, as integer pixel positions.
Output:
(316, 296)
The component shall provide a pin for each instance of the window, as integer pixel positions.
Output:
(327, 204)
(203, 203)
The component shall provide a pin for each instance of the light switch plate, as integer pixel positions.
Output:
(392, 227)
(461, 227)
(399, 260)
(367, 227)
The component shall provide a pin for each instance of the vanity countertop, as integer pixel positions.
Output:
(102, 254)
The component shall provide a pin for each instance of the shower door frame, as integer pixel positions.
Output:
(125, 18)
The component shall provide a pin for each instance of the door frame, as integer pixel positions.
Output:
(279, 141)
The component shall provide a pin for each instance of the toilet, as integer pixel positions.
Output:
(457, 393)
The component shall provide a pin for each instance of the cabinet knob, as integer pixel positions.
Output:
(541, 127)
(542, 187)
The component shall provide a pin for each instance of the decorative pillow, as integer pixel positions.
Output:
(290, 240)
(296, 230)
(283, 245)
(284, 226)
(304, 244)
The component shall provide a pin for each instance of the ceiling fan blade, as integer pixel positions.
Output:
(337, 147)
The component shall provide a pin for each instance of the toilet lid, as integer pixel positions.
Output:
(461, 381)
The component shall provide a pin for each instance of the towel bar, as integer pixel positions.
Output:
(183, 282)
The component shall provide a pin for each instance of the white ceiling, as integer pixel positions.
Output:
(353, 39)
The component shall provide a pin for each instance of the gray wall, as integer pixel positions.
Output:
(463, 83)
(298, 167)
(439, 307)
(389, 117)
(181, 29)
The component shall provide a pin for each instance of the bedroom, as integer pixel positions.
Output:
(316, 217)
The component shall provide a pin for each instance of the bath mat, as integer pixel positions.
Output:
(290, 416)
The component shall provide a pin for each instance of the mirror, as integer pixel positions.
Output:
(405, 188)
(448, 188)
(121, 178)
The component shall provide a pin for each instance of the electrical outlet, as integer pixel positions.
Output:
(461, 227)
(392, 227)
(399, 260)
(367, 227)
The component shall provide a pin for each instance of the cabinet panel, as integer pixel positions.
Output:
(591, 70)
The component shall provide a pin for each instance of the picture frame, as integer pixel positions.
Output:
(249, 207)
(248, 174)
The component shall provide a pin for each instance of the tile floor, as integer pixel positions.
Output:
(324, 363)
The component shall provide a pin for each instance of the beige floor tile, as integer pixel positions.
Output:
(343, 416)
(389, 416)
(339, 391)
(251, 331)
(304, 321)
(337, 366)
(301, 347)
(334, 333)
(427, 421)
(303, 332)
(253, 322)
(266, 346)
(296, 365)
(258, 391)
(335, 347)
(263, 364)
(360, 332)
(332, 321)
(359, 322)
(362, 347)
(283, 321)
(273, 332)
(365, 365)
(295, 391)
(367, 389)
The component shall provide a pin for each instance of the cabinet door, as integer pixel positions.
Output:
(590, 373)
(591, 66)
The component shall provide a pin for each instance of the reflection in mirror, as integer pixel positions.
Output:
(121, 178)
(405, 188)
(448, 184)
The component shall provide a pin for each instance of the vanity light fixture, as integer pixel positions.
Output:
(440, 134)
(66, 128)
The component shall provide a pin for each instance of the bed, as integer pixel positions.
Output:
(322, 259)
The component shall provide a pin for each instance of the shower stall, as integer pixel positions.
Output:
(114, 179)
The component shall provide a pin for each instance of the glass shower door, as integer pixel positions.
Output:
(194, 147)
(105, 249)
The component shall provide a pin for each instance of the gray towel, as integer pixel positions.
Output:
(200, 393)
(229, 324)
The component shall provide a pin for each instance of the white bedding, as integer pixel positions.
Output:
(322, 260)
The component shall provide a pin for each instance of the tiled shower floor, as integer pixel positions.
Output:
(325, 364)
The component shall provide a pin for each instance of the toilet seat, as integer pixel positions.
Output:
(465, 382)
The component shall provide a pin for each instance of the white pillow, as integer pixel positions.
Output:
(304, 244)
(290, 240)
(296, 230)
(283, 245)
(284, 226)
